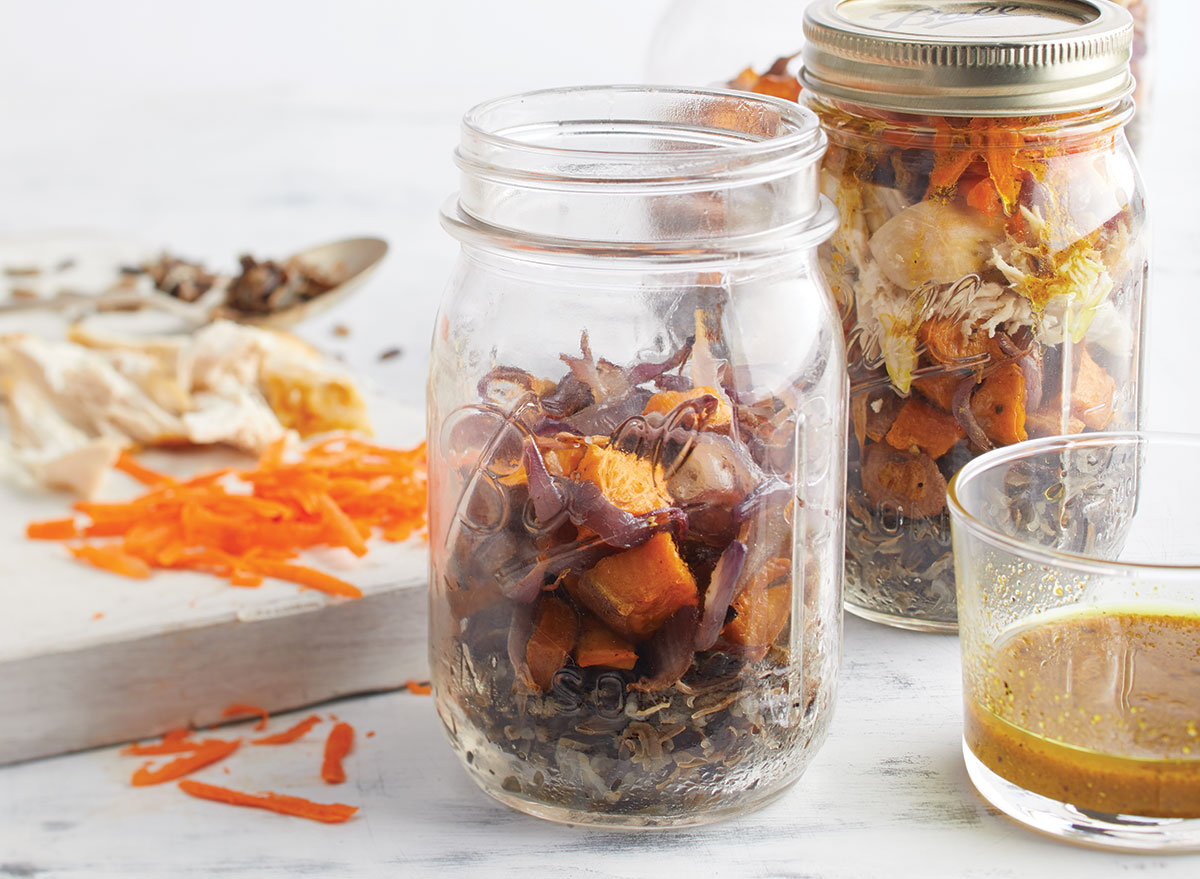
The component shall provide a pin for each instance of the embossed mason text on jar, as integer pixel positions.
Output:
(637, 405)
(990, 261)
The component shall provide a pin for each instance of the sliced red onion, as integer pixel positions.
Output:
(569, 396)
(644, 372)
(519, 631)
(588, 507)
(670, 650)
(961, 406)
(548, 501)
(604, 417)
(522, 581)
(673, 382)
(719, 594)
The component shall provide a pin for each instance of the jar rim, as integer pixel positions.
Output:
(622, 168)
(801, 140)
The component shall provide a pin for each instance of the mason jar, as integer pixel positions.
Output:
(637, 404)
(990, 263)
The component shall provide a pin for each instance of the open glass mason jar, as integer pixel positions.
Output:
(990, 262)
(636, 440)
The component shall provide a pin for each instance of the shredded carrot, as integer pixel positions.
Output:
(244, 525)
(98, 615)
(238, 708)
(370, 734)
(303, 575)
(289, 735)
(207, 753)
(127, 464)
(110, 558)
(54, 529)
(337, 746)
(419, 688)
(329, 813)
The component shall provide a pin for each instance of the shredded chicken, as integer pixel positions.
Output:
(75, 404)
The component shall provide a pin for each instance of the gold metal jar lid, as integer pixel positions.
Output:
(964, 57)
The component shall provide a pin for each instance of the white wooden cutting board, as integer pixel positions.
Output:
(89, 658)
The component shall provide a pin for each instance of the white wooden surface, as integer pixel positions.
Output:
(236, 137)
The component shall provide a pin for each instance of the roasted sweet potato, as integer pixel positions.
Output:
(919, 426)
(627, 480)
(555, 629)
(599, 645)
(1092, 392)
(1050, 420)
(907, 481)
(939, 388)
(946, 343)
(635, 591)
(761, 611)
(999, 405)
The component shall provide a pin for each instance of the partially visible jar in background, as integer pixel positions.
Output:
(637, 430)
(990, 263)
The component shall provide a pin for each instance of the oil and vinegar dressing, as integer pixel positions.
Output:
(1098, 709)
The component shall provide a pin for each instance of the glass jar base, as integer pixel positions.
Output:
(914, 624)
(635, 821)
(1084, 827)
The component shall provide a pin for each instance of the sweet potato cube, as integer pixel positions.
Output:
(664, 401)
(555, 629)
(635, 591)
(629, 481)
(910, 482)
(920, 426)
(761, 611)
(939, 388)
(1092, 393)
(999, 405)
(946, 343)
(1050, 420)
(599, 645)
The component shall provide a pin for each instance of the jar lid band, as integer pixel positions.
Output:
(963, 57)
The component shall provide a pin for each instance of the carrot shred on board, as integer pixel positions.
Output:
(54, 529)
(337, 746)
(244, 525)
(110, 558)
(238, 708)
(329, 813)
(419, 688)
(289, 735)
(129, 465)
(209, 751)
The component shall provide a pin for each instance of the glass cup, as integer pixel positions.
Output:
(1078, 566)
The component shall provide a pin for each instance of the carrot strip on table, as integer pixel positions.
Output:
(419, 688)
(329, 813)
(238, 708)
(53, 529)
(210, 751)
(289, 735)
(337, 746)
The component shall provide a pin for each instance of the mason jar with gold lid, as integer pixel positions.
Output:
(990, 262)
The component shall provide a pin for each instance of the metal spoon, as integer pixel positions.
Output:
(352, 259)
